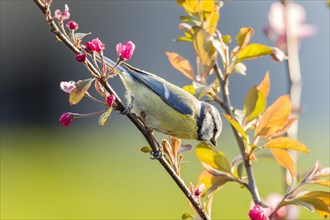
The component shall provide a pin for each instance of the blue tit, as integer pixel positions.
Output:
(166, 108)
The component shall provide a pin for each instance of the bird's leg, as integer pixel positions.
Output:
(155, 154)
(129, 107)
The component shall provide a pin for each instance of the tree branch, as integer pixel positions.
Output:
(145, 131)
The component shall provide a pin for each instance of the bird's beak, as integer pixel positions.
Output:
(214, 141)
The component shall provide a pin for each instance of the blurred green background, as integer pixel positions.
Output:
(89, 172)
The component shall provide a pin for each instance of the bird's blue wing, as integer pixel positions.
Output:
(168, 92)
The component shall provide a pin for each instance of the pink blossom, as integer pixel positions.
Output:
(95, 45)
(200, 189)
(125, 52)
(72, 25)
(276, 30)
(61, 16)
(81, 57)
(110, 100)
(66, 119)
(258, 213)
(68, 86)
(285, 212)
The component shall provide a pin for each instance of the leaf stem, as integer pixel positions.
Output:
(145, 131)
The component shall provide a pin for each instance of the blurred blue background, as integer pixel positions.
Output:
(89, 172)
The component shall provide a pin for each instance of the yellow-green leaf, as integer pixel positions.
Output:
(254, 105)
(284, 158)
(205, 51)
(226, 39)
(253, 51)
(212, 22)
(244, 35)
(264, 85)
(190, 89)
(146, 149)
(320, 200)
(207, 7)
(237, 126)
(324, 182)
(182, 64)
(212, 182)
(213, 158)
(274, 118)
(286, 143)
(104, 117)
(79, 92)
(187, 216)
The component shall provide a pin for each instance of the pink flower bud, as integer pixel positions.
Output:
(66, 119)
(125, 51)
(72, 25)
(68, 86)
(81, 57)
(200, 190)
(110, 100)
(95, 45)
(62, 15)
(257, 213)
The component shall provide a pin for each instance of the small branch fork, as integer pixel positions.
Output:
(156, 148)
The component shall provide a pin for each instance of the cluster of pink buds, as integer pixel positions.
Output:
(124, 51)
(61, 16)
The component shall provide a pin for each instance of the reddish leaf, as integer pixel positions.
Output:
(274, 118)
(284, 158)
(182, 65)
(264, 85)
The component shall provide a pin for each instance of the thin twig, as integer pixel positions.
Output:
(247, 164)
(146, 132)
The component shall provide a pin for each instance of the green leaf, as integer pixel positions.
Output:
(205, 51)
(226, 39)
(104, 117)
(215, 159)
(237, 126)
(286, 143)
(146, 149)
(187, 216)
(254, 105)
(79, 92)
(188, 19)
(80, 36)
(184, 39)
(253, 51)
(244, 35)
